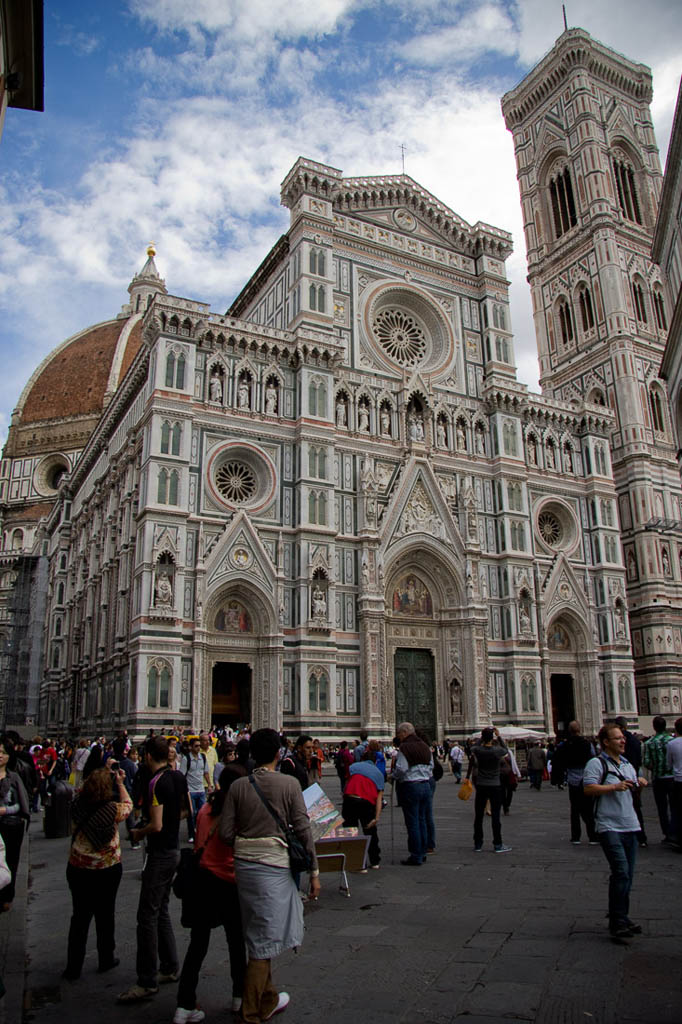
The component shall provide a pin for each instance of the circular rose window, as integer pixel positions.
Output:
(556, 526)
(236, 482)
(549, 527)
(400, 336)
(240, 475)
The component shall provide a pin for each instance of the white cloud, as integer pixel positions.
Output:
(484, 29)
(245, 19)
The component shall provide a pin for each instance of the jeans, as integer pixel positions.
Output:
(663, 795)
(415, 798)
(198, 800)
(582, 806)
(483, 794)
(155, 936)
(620, 850)
(457, 770)
(535, 776)
(93, 893)
(359, 812)
(430, 823)
(216, 892)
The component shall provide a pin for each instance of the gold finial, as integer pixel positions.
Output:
(151, 250)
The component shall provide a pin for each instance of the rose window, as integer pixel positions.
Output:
(236, 481)
(400, 336)
(550, 528)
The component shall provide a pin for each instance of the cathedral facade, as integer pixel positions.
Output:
(334, 506)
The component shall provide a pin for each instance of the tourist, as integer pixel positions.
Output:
(569, 762)
(296, 763)
(654, 757)
(362, 802)
(272, 912)
(14, 815)
(485, 765)
(94, 868)
(412, 771)
(674, 759)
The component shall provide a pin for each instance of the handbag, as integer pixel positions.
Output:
(186, 881)
(465, 790)
(299, 858)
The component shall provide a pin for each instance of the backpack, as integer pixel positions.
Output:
(437, 769)
(187, 762)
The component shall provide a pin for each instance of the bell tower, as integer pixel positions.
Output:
(589, 177)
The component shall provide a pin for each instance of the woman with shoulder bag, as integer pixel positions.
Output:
(14, 813)
(215, 902)
(94, 868)
(255, 810)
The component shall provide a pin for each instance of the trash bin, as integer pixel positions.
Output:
(57, 819)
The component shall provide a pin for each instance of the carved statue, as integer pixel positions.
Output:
(363, 418)
(620, 620)
(441, 436)
(415, 426)
(216, 388)
(461, 437)
(455, 698)
(551, 459)
(271, 400)
(665, 557)
(524, 618)
(385, 422)
(243, 398)
(480, 441)
(163, 593)
(319, 604)
(532, 451)
(568, 457)
(341, 417)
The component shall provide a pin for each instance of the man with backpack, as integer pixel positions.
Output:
(199, 782)
(612, 780)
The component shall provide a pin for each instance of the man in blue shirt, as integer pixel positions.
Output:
(612, 780)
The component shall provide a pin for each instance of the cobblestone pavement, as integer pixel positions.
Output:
(475, 937)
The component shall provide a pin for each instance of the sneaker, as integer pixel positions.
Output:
(183, 1016)
(137, 994)
(191, 840)
(478, 849)
(430, 849)
(375, 867)
(636, 929)
(363, 871)
(502, 848)
(168, 979)
(282, 1004)
(236, 1004)
(409, 862)
(575, 842)
(620, 931)
(594, 842)
(135, 846)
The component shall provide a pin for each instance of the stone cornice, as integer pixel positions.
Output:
(575, 48)
(670, 196)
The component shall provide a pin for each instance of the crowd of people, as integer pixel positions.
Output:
(240, 795)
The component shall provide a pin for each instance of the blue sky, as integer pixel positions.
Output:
(177, 122)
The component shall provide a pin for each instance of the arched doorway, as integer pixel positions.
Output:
(231, 694)
(564, 679)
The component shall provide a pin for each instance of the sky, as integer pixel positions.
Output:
(176, 122)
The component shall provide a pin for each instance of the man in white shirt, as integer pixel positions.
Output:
(195, 770)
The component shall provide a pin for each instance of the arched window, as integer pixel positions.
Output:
(318, 691)
(312, 507)
(528, 694)
(656, 410)
(165, 437)
(313, 296)
(17, 540)
(170, 370)
(317, 262)
(322, 509)
(565, 322)
(60, 594)
(509, 439)
(600, 459)
(180, 372)
(586, 311)
(502, 349)
(58, 626)
(56, 658)
(162, 489)
(164, 687)
(152, 686)
(312, 462)
(563, 204)
(173, 488)
(659, 309)
(624, 694)
(62, 564)
(640, 302)
(322, 463)
(175, 439)
(626, 190)
(321, 299)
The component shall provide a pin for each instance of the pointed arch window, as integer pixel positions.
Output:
(175, 370)
(317, 262)
(659, 309)
(170, 370)
(165, 437)
(626, 190)
(586, 310)
(563, 203)
(640, 302)
(176, 434)
(162, 488)
(318, 691)
(528, 694)
(565, 322)
(173, 484)
(656, 410)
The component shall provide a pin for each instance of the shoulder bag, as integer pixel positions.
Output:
(299, 858)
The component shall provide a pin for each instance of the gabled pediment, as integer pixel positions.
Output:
(239, 555)
(564, 591)
(418, 507)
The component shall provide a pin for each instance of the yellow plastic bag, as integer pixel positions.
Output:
(465, 790)
(72, 778)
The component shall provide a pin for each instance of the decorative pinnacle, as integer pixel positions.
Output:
(151, 250)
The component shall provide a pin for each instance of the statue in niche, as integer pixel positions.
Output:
(243, 396)
(341, 413)
(415, 425)
(532, 451)
(568, 458)
(619, 616)
(665, 558)
(271, 400)
(385, 422)
(524, 616)
(163, 592)
(441, 435)
(455, 698)
(215, 388)
(365, 572)
(480, 440)
(551, 458)
(363, 418)
(631, 566)
(319, 603)
(461, 437)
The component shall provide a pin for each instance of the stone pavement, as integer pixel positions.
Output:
(470, 937)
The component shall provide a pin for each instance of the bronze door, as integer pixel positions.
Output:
(415, 691)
